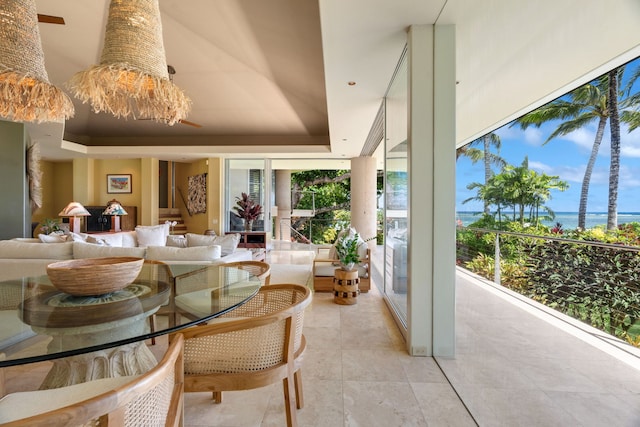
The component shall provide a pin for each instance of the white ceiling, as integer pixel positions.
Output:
(268, 78)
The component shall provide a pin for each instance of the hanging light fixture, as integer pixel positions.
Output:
(25, 91)
(132, 78)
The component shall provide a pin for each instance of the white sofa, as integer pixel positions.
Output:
(30, 257)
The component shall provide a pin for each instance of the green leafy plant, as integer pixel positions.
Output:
(49, 225)
(347, 248)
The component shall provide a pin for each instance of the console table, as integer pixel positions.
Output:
(254, 240)
(251, 239)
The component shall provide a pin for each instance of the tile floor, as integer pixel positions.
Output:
(515, 366)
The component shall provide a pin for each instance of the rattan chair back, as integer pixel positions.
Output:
(151, 399)
(253, 346)
(260, 269)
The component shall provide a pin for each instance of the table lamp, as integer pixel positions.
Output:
(74, 211)
(115, 210)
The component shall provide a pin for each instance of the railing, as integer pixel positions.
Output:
(595, 282)
(309, 230)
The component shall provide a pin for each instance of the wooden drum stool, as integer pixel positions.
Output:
(345, 286)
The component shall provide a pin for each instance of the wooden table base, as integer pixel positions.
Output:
(130, 359)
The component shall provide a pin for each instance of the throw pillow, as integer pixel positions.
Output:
(107, 239)
(78, 237)
(52, 238)
(228, 242)
(176, 241)
(200, 240)
(196, 253)
(152, 235)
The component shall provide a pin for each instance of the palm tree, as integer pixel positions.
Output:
(519, 188)
(584, 105)
(614, 126)
(489, 158)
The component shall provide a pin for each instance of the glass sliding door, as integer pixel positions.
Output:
(248, 176)
(396, 192)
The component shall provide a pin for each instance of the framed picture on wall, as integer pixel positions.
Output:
(119, 183)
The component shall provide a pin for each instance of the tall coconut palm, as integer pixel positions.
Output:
(614, 126)
(489, 158)
(584, 105)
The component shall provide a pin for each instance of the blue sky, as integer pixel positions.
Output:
(567, 158)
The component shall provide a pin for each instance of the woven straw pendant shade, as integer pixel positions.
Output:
(25, 91)
(132, 78)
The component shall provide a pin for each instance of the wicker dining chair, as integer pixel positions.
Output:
(260, 269)
(162, 274)
(255, 345)
(153, 399)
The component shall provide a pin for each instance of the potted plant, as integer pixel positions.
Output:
(248, 210)
(347, 250)
(50, 226)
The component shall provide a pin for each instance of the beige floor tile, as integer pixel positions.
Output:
(387, 404)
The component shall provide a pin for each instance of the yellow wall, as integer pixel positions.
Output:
(85, 181)
(118, 167)
(200, 222)
(57, 189)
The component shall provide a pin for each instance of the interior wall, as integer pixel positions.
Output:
(118, 167)
(215, 195)
(15, 215)
(196, 223)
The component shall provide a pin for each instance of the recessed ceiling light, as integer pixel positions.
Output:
(351, 83)
(344, 139)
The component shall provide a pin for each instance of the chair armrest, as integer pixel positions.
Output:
(325, 260)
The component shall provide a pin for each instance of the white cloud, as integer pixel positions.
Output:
(600, 175)
(583, 138)
(629, 142)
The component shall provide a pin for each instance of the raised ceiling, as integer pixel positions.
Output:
(269, 78)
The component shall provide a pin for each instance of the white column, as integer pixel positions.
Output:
(363, 197)
(283, 202)
(431, 295)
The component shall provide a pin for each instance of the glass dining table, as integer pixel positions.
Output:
(104, 335)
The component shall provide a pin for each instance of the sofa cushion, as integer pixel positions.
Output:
(200, 240)
(15, 249)
(27, 239)
(196, 253)
(152, 235)
(88, 250)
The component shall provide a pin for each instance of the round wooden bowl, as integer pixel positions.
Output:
(94, 276)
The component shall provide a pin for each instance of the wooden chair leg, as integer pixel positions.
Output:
(152, 327)
(297, 379)
(217, 396)
(289, 404)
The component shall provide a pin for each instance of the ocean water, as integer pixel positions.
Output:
(569, 220)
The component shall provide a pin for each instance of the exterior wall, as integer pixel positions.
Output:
(431, 256)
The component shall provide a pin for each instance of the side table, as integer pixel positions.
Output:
(345, 286)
